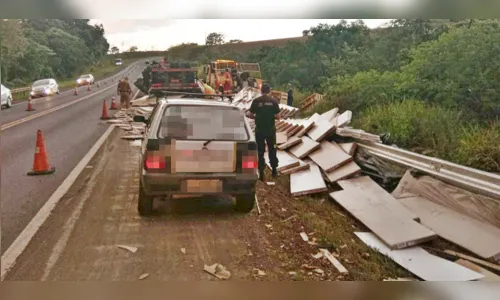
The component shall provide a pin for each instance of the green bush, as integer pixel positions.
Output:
(479, 147)
(415, 126)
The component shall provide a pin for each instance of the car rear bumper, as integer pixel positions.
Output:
(157, 184)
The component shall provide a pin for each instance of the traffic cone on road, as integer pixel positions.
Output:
(76, 91)
(113, 104)
(41, 163)
(104, 115)
(89, 88)
(30, 106)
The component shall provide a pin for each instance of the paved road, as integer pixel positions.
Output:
(69, 134)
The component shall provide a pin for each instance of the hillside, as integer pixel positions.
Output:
(248, 46)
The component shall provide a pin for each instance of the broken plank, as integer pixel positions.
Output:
(307, 181)
(343, 172)
(290, 142)
(366, 185)
(420, 262)
(488, 276)
(349, 148)
(302, 166)
(482, 239)
(473, 259)
(334, 261)
(329, 156)
(303, 149)
(320, 130)
(396, 231)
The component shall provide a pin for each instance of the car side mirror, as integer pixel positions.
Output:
(140, 119)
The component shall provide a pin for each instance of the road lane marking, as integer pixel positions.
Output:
(19, 245)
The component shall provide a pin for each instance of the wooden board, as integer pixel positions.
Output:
(488, 276)
(292, 141)
(307, 182)
(396, 232)
(320, 130)
(366, 185)
(420, 262)
(307, 126)
(329, 115)
(281, 138)
(285, 160)
(345, 171)
(304, 148)
(302, 166)
(349, 148)
(314, 117)
(330, 156)
(480, 238)
(344, 118)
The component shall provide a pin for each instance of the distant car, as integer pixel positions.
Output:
(44, 87)
(6, 97)
(85, 80)
(118, 62)
(197, 147)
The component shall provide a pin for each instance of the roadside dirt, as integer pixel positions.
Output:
(80, 240)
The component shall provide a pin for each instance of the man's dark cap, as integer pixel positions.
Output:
(266, 88)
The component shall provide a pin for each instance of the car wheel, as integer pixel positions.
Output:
(145, 203)
(9, 102)
(245, 203)
(58, 92)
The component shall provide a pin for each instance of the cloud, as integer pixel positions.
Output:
(132, 25)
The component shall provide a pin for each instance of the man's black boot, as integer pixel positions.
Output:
(275, 172)
(261, 175)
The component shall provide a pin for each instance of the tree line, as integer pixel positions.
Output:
(40, 48)
(433, 84)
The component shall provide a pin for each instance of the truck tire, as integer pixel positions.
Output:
(245, 203)
(145, 203)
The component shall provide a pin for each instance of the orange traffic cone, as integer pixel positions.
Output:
(30, 106)
(76, 91)
(89, 88)
(113, 104)
(41, 163)
(104, 115)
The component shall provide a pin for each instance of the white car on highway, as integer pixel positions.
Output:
(6, 97)
(44, 87)
(118, 62)
(85, 80)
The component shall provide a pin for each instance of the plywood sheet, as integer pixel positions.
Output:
(480, 238)
(420, 262)
(307, 182)
(330, 156)
(344, 118)
(345, 171)
(396, 232)
(320, 130)
(329, 115)
(285, 160)
(349, 148)
(304, 148)
(367, 186)
(281, 138)
(314, 117)
(488, 276)
(307, 126)
(292, 141)
(302, 166)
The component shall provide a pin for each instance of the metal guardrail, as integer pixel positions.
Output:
(20, 90)
(474, 180)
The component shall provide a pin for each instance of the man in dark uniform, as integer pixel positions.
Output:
(289, 100)
(265, 109)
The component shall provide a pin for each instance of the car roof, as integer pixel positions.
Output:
(86, 75)
(194, 101)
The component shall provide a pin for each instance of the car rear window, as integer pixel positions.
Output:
(200, 122)
(41, 82)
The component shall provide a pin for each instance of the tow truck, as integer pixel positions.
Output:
(165, 78)
(241, 75)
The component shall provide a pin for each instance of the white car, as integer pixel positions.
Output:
(6, 97)
(118, 62)
(85, 80)
(44, 87)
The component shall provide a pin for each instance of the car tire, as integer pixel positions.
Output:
(145, 203)
(9, 102)
(58, 92)
(245, 203)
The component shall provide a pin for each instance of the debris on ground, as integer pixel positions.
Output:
(304, 237)
(260, 272)
(218, 271)
(128, 248)
(333, 261)
(144, 276)
(183, 250)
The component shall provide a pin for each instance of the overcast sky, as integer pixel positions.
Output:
(160, 34)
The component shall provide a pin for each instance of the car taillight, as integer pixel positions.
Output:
(249, 162)
(156, 85)
(193, 84)
(154, 162)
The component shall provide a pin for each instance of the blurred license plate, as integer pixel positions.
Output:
(204, 186)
